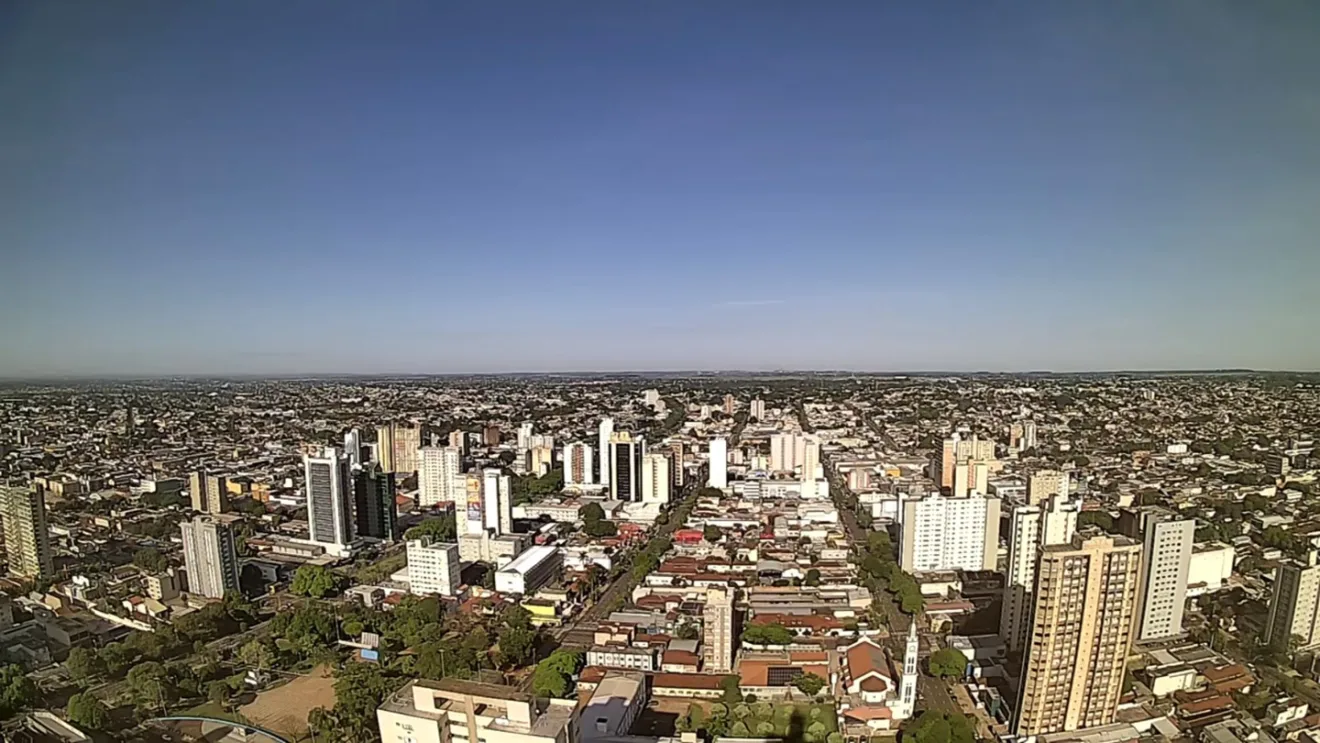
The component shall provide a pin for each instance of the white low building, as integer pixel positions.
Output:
(534, 568)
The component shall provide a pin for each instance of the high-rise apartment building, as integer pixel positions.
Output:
(1081, 632)
(27, 537)
(970, 476)
(655, 477)
(605, 433)
(730, 404)
(438, 472)
(353, 447)
(717, 631)
(1295, 604)
(756, 409)
(397, 445)
(458, 439)
(625, 465)
(579, 468)
(376, 514)
(1045, 484)
(718, 475)
(524, 438)
(491, 435)
(787, 451)
(385, 447)
(957, 449)
(433, 567)
(945, 533)
(497, 500)
(540, 460)
(676, 463)
(329, 483)
(210, 557)
(1022, 436)
(1031, 527)
(209, 493)
(1166, 556)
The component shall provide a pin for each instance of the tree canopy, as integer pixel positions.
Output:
(948, 663)
(315, 581)
(441, 529)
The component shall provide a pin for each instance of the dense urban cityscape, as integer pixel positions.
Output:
(815, 557)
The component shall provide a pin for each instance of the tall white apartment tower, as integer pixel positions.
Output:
(655, 478)
(1052, 522)
(438, 471)
(719, 464)
(810, 467)
(329, 485)
(497, 498)
(945, 533)
(210, 557)
(1166, 556)
(578, 464)
(606, 431)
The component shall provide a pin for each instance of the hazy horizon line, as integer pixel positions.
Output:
(257, 376)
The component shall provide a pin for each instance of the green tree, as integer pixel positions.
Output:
(813, 577)
(218, 692)
(592, 512)
(940, 727)
(150, 560)
(151, 684)
(87, 712)
(315, 581)
(600, 528)
(84, 665)
(517, 644)
(767, 634)
(947, 663)
(731, 691)
(17, 692)
(257, 654)
(442, 529)
(809, 684)
(711, 533)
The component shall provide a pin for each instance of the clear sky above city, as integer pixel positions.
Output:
(299, 187)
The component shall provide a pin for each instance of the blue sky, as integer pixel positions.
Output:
(321, 186)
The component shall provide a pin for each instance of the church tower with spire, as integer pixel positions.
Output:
(907, 697)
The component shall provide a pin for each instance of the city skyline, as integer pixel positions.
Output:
(683, 187)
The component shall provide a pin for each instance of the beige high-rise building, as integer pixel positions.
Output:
(396, 447)
(27, 538)
(1081, 632)
(957, 449)
(717, 631)
(655, 477)
(1045, 484)
(1031, 527)
(209, 493)
(1295, 604)
(540, 460)
(730, 404)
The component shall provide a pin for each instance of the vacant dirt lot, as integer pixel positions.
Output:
(284, 709)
